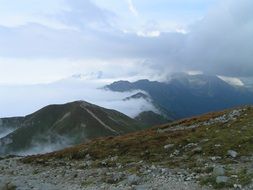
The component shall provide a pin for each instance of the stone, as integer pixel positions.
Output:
(141, 187)
(153, 167)
(87, 157)
(249, 171)
(237, 186)
(8, 186)
(222, 179)
(117, 177)
(218, 171)
(176, 152)
(232, 153)
(113, 159)
(197, 150)
(133, 179)
(214, 158)
(168, 146)
(190, 145)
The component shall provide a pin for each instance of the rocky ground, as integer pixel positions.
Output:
(59, 175)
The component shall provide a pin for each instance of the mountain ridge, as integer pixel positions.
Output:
(189, 95)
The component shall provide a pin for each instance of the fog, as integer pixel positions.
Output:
(45, 144)
(5, 131)
(26, 99)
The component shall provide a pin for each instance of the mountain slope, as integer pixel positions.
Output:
(188, 95)
(57, 126)
(151, 118)
(211, 147)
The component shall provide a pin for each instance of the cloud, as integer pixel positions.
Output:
(232, 80)
(5, 131)
(41, 144)
(132, 8)
(221, 42)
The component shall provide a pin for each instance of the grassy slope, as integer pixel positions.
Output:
(211, 140)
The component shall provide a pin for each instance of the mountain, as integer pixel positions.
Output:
(187, 95)
(138, 96)
(158, 115)
(57, 126)
(214, 149)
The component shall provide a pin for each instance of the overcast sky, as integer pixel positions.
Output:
(43, 41)
(50, 40)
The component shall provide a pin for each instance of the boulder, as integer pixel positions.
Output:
(222, 179)
(197, 150)
(218, 171)
(133, 179)
(232, 153)
(168, 146)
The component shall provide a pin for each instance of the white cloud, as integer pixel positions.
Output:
(232, 80)
(17, 13)
(149, 33)
(194, 72)
(36, 71)
(20, 100)
(132, 8)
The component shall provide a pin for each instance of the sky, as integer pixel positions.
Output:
(42, 42)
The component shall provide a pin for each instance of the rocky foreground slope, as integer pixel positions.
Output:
(206, 152)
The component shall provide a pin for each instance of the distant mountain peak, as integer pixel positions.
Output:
(138, 95)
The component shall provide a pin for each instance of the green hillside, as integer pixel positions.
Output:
(66, 124)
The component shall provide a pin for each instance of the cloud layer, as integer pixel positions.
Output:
(23, 100)
(219, 43)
